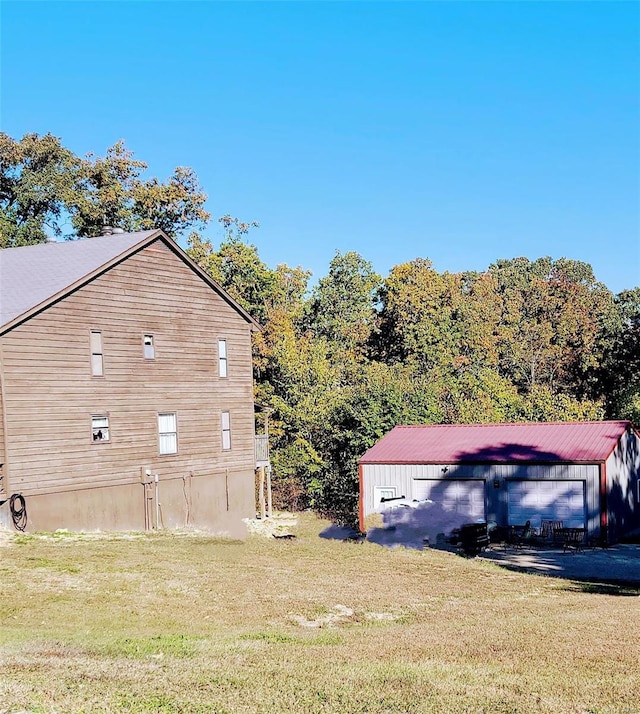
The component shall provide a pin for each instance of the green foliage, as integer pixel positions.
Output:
(44, 187)
(38, 178)
(551, 314)
(543, 404)
(295, 465)
(237, 267)
(342, 306)
(113, 192)
(477, 397)
(379, 397)
(417, 317)
(618, 373)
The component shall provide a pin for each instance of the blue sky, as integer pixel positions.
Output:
(460, 132)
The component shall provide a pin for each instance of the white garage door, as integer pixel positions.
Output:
(549, 500)
(463, 499)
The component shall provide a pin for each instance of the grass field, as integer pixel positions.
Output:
(189, 623)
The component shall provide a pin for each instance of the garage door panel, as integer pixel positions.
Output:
(461, 496)
(550, 499)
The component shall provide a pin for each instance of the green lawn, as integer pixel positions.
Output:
(190, 623)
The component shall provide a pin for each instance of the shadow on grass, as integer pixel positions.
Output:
(619, 589)
(589, 584)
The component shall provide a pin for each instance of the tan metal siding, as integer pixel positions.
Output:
(50, 394)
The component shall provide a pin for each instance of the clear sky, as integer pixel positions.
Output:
(462, 132)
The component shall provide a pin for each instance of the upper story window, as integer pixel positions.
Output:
(226, 430)
(97, 361)
(222, 358)
(168, 433)
(148, 347)
(99, 428)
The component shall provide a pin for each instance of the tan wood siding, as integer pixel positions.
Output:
(51, 395)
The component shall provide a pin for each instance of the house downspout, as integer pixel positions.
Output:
(361, 499)
(604, 524)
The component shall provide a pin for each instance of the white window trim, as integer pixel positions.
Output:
(379, 492)
(152, 345)
(101, 428)
(223, 360)
(225, 431)
(167, 433)
(97, 350)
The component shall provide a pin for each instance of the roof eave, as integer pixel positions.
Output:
(511, 462)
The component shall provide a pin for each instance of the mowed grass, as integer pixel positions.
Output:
(190, 623)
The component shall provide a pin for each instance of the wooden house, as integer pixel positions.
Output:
(585, 475)
(126, 389)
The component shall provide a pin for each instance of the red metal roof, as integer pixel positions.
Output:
(497, 443)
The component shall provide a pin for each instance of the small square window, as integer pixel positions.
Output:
(99, 428)
(168, 433)
(148, 347)
(225, 422)
(222, 358)
(97, 362)
(384, 493)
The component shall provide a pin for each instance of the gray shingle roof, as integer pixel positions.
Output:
(32, 275)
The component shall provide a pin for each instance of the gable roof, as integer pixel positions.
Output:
(33, 277)
(539, 442)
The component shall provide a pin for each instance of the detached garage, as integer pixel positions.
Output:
(585, 474)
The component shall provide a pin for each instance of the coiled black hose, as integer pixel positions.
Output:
(18, 508)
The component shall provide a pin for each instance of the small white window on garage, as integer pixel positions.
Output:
(99, 428)
(148, 347)
(225, 423)
(222, 358)
(168, 433)
(382, 494)
(97, 363)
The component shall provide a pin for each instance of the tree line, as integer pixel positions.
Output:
(341, 362)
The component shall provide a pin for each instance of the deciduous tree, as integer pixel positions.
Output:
(38, 179)
(46, 190)
(342, 307)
